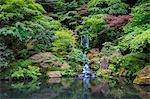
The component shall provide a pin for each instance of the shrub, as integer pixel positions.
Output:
(25, 68)
(136, 41)
(75, 59)
(70, 19)
(23, 26)
(140, 15)
(6, 56)
(13, 11)
(108, 49)
(133, 62)
(64, 41)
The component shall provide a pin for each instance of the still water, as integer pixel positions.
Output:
(72, 88)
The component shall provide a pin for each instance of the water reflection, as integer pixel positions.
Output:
(71, 88)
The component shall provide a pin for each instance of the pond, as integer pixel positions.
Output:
(73, 88)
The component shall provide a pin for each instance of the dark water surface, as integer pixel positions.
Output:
(71, 88)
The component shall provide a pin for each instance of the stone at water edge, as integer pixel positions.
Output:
(54, 80)
(143, 76)
(54, 74)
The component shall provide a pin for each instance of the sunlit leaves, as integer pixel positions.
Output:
(64, 40)
(18, 10)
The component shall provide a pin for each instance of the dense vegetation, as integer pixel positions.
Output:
(29, 27)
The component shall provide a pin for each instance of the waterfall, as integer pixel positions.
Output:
(87, 72)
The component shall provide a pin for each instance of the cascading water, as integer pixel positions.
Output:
(86, 69)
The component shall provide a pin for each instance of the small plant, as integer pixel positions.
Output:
(112, 67)
(68, 72)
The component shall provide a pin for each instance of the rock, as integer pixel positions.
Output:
(104, 62)
(47, 59)
(54, 80)
(41, 57)
(144, 91)
(105, 72)
(54, 74)
(143, 76)
(116, 54)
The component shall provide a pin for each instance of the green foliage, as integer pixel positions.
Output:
(22, 63)
(136, 41)
(92, 22)
(70, 19)
(18, 10)
(112, 67)
(107, 76)
(133, 62)
(68, 72)
(25, 28)
(94, 67)
(138, 33)
(60, 6)
(92, 25)
(6, 56)
(113, 7)
(24, 68)
(139, 2)
(75, 59)
(108, 48)
(64, 41)
(76, 55)
(141, 15)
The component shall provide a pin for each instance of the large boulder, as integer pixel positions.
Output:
(54, 74)
(143, 76)
(47, 59)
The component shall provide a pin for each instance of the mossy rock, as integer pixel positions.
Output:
(48, 60)
(54, 74)
(143, 76)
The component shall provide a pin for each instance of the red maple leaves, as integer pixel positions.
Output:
(117, 21)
